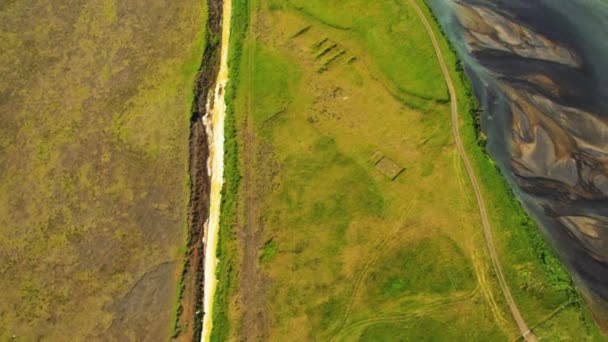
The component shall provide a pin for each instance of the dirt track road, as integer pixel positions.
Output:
(252, 295)
(524, 331)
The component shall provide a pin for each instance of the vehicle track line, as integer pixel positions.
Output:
(524, 330)
(361, 275)
(439, 307)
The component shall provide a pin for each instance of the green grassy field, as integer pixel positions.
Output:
(345, 253)
(94, 109)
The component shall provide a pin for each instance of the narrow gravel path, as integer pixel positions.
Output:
(487, 229)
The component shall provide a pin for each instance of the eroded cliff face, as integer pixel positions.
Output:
(536, 68)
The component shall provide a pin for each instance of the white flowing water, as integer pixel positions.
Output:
(214, 123)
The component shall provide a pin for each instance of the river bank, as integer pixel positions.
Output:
(535, 73)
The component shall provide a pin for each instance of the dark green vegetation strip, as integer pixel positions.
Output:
(269, 251)
(227, 252)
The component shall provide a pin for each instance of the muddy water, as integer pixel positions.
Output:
(539, 70)
(215, 131)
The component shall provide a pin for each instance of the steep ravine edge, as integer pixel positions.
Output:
(188, 323)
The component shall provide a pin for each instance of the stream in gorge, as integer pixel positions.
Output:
(214, 123)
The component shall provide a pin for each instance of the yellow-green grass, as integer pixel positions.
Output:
(347, 253)
(94, 109)
(382, 37)
(332, 212)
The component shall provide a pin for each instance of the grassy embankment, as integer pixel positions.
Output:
(348, 253)
(94, 110)
(314, 177)
(379, 252)
(227, 251)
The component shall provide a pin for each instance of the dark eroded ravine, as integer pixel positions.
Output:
(189, 320)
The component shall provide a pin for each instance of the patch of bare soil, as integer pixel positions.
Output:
(152, 290)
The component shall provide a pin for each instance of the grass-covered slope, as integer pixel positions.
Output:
(341, 251)
(228, 251)
(95, 101)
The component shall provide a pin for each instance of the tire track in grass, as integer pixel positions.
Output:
(524, 330)
(361, 275)
(479, 265)
(437, 308)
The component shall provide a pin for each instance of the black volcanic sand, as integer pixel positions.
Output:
(540, 70)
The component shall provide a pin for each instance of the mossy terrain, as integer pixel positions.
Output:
(346, 253)
(94, 109)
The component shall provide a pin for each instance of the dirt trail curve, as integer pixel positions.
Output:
(525, 332)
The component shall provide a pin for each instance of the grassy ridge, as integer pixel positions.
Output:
(344, 247)
(330, 212)
(227, 251)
